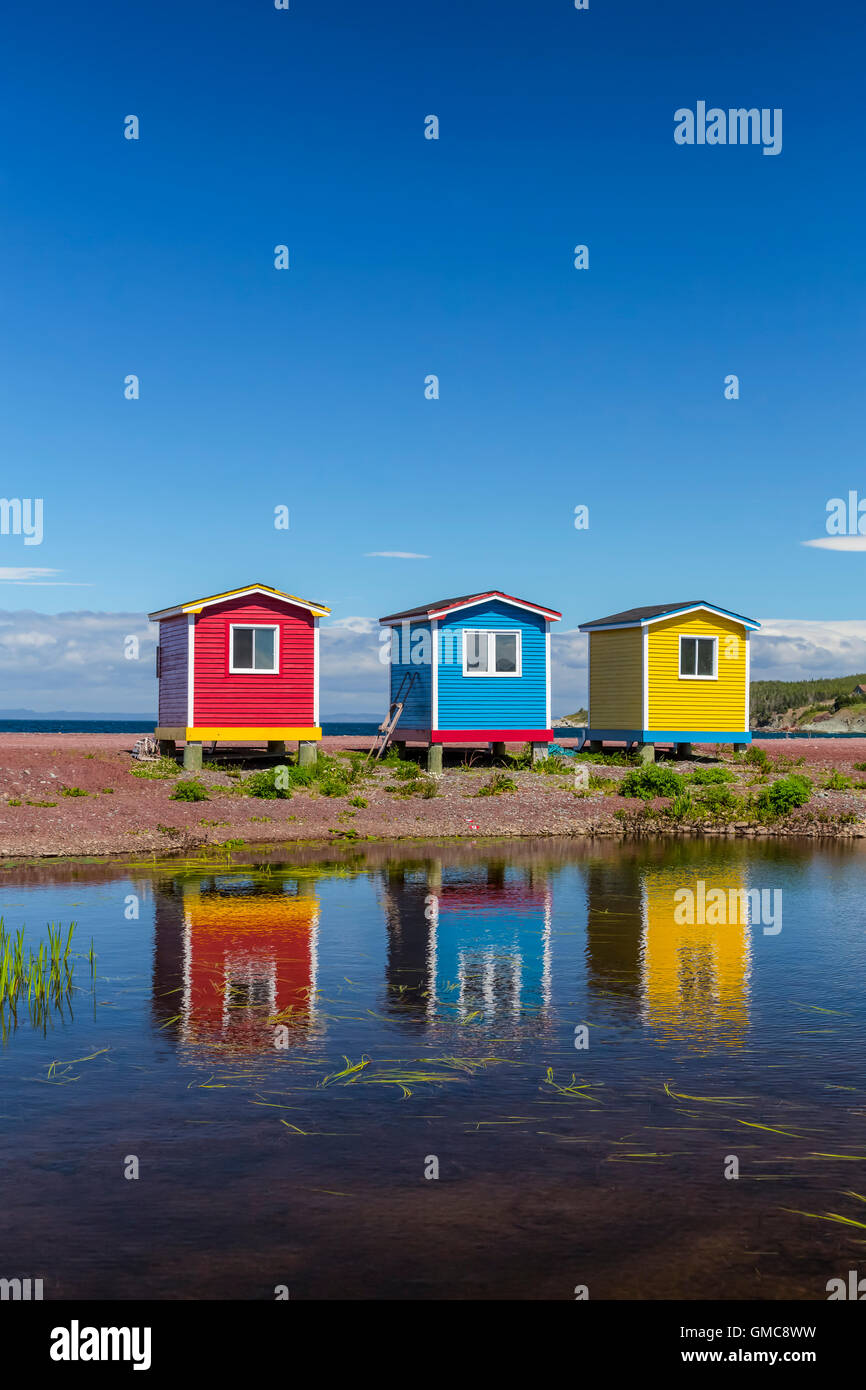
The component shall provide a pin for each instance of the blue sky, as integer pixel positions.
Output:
(305, 387)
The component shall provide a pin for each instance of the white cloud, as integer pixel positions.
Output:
(796, 649)
(76, 660)
(32, 574)
(838, 543)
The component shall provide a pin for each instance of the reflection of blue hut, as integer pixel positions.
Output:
(467, 941)
(490, 943)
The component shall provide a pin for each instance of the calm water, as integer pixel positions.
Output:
(211, 1043)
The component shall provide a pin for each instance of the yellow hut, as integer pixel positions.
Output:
(669, 673)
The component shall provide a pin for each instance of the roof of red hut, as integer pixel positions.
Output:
(197, 604)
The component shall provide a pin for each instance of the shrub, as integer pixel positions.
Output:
(651, 780)
(783, 796)
(73, 791)
(757, 757)
(359, 801)
(718, 801)
(267, 786)
(193, 790)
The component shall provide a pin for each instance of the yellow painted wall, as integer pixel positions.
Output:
(676, 702)
(616, 679)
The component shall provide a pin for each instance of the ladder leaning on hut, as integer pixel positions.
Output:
(390, 722)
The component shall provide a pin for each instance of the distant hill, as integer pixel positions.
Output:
(776, 704)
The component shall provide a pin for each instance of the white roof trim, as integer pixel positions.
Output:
(495, 594)
(747, 623)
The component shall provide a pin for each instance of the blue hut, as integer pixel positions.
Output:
(474, 669)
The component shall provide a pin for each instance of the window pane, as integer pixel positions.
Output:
(476, 651)
(265, 648)
(705, 656)
(506, 651)
(688, 656)
(242, 648)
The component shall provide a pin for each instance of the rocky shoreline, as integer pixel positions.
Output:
(73, 795)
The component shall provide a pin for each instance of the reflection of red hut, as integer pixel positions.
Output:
(249, 964)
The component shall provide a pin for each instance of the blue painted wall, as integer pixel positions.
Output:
(493, 702)
(416, 711)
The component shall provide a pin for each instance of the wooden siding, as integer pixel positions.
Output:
(676, 702)
(493, 702)
(416, 710)
(236, 699)
(616, 679)
(173, 670)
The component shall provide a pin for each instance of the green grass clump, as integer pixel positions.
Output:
(706, 776)
(608, 785)
(757, 758)
(192, 790)
(651, 780)
(783, 796)
(158, 771)
(500, 782)
(73, 791)
(40, 979)
(837, 782)
(359, 801)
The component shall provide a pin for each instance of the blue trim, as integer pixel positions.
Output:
(667, 736)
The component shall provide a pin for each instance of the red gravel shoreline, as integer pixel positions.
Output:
(125, 815)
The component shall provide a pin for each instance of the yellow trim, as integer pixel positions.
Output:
(197, 604)
(255, 733)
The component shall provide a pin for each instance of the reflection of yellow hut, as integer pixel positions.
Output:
(695, 963)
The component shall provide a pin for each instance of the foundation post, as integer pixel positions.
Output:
(684, 750)
(192, 753)
(540, 751)
(434, 759)
(595, 745)
(167, 748)
(498, 750)
(277, 745)
(308, 753)
(646, 752)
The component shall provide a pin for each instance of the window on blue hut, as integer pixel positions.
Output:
(698, 657)
(254, 649)
(491, 653)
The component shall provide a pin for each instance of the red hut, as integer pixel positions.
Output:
(243, 665)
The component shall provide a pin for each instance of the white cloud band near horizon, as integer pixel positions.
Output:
(75, 660)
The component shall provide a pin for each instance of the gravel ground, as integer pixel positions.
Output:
(123, 814)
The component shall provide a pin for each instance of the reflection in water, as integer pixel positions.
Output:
(235, 956)
(467, 943)
(433, 1001)
(694, 976)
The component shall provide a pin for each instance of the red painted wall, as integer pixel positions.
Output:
(240, 698)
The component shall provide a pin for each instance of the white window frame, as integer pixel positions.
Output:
(252, 670)
(699, 637)
(494, 632)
